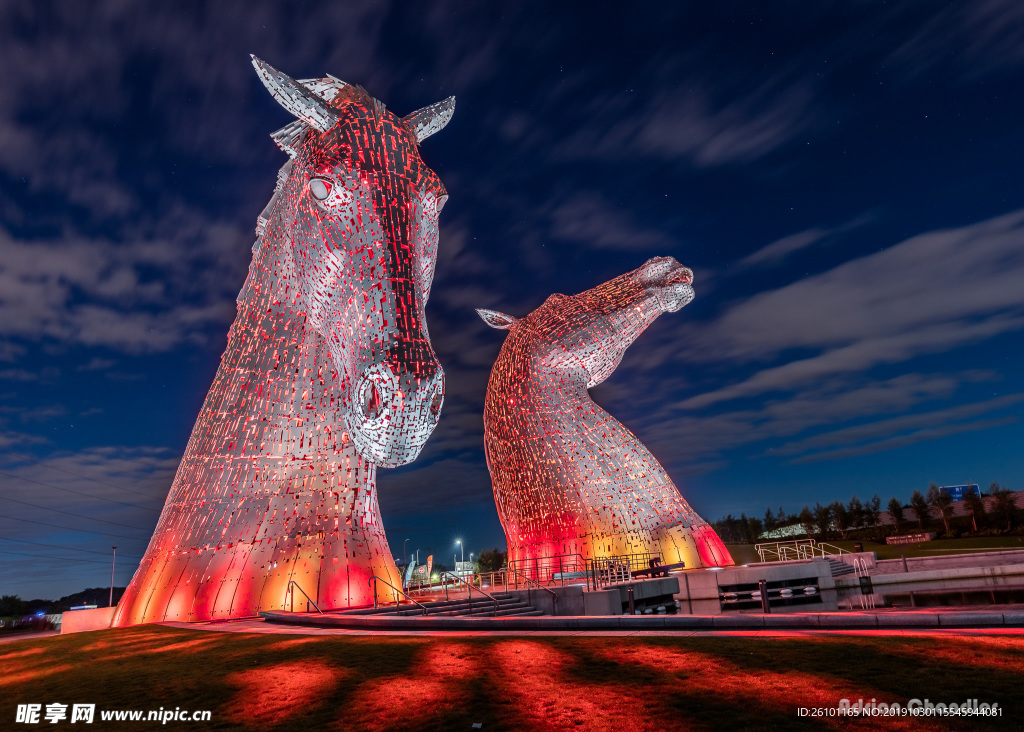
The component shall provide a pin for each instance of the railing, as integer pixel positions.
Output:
(549, 570)
(615, 569)
(570, 567)
(529, 595)
(785, 551)
(375, 578)
(470, 585)
(290, 594)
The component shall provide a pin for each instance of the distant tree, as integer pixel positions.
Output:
(873, 511)
(940, 499)
(729, 529)
(856, 510)
(752, 528)
(493, 560)
(919, 505)
(975, 507)
(896, 514)
(783, 519)
(1003, 504)
(841, 518)
(807, 522)
(12, 605)
(769, 520)
(822, 520)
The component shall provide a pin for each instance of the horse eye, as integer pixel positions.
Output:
(441, 202)
(320, 188)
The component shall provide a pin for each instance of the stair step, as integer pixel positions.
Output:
(839, 568)
(453, 608)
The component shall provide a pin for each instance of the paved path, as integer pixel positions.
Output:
(11, 638)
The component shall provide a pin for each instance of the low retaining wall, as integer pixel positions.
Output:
(76, 621)
(952, 561)
(933, 575)
(743, 621)
(699, 588)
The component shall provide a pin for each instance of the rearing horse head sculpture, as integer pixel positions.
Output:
(569, 480)
(361, 212)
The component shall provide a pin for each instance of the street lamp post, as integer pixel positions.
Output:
(113, 563)
(405, 554)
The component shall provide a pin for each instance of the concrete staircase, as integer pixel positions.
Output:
(838, 568)
(478, 606)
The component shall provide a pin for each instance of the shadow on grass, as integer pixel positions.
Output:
(286, 682)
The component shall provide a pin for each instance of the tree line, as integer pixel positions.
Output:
(994, 512)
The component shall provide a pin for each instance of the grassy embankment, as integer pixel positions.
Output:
(745, 554)
(291, 682)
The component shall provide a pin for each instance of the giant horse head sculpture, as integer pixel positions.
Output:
(584, 336)
(362, 223)
(569, 480)
(328, 373)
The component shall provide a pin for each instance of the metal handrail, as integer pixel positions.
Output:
(802, 549)
(470, 585)
(289, 591)
(529, 598)
(381, 579)
(550, 563)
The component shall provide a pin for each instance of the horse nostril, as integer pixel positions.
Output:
(435, 403)
(371, 400)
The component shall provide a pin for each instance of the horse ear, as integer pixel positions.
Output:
(495, 319)
(301, 102)
(425, 122)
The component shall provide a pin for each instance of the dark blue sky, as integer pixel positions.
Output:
(843, 178)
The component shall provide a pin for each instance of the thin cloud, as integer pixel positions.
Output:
(893, 443)
(928, 294)
(693, 126)
(587, 218)
(782, 248)
(883, 428)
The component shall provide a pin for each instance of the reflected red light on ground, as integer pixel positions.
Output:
(271, 694)
(10, 677)
(534, 678)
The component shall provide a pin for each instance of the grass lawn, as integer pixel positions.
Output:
(264, 681)
(745, 553)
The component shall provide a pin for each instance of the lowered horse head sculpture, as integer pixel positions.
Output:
(328, 374)
(360, 220)
(568, 478)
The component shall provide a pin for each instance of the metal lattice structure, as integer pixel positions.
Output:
(328, 373)
(568, 478)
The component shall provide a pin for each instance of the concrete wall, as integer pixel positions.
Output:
(602, 602)
(566, 600)
(76, 621)
(574, 600)
(699, 587)
(869, 558)
(645, 591)
(952, 561)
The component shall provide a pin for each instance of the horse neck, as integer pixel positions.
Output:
(278, 376)
(545, 398)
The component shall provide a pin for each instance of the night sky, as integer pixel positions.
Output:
(843, 178)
